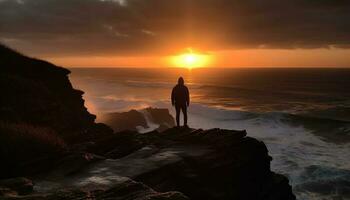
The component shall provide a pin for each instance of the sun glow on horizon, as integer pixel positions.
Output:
(191, 60)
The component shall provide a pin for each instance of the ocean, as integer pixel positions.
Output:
(302, 115)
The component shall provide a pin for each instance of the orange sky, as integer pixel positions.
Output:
(228, 58)
(138, 33)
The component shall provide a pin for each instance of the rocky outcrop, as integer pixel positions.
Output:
(200, 164)
(160, 117)
(138, 120)
(124, 120)
(216, 164)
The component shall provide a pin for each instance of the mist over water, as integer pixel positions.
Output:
(286, 108)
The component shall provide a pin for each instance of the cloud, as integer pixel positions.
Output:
(100, 27)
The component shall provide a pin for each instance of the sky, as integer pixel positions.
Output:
(148, 33)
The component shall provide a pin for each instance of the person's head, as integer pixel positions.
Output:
(180, 81)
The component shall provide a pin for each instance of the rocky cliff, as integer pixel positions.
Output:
(40, 93)
(44, 126)
(40, 114)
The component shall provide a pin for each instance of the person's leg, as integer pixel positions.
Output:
(184, 110)
(177, 108)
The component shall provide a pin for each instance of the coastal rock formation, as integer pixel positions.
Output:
(199, 164)
(160, 117)
(202, 164)
(124, 120)
(139, 120)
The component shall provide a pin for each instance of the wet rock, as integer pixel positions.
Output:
(117, 145)
(127, 190)
(73, 163)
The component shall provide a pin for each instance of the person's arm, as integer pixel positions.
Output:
(173, 97)
(187, 97)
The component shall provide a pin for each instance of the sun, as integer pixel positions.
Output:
(190, 60)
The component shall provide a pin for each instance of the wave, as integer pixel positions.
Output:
(324, 182)
(328, 129)
(338, 112)
(331, 130)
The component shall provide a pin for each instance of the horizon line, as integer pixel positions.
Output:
(147, 67)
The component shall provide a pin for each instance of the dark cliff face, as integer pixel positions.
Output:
(40, 114)
(40, 93)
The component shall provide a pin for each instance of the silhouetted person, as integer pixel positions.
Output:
(180, 98)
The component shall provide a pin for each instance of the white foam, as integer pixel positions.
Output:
(151, 125)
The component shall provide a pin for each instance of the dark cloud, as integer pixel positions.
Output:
(77, 27)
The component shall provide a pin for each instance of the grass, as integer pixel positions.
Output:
(22, 143)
